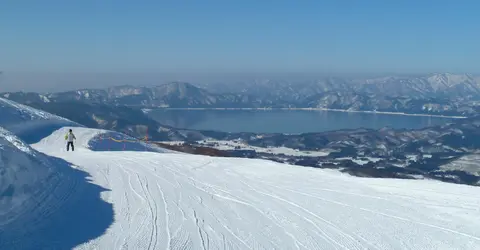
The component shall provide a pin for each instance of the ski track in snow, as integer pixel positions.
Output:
(179, 201)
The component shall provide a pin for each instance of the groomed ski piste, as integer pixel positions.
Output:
(98, 198)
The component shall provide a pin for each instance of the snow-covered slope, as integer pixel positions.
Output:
(179, 201)
(44, 202)
(23, 175)
(28, 123)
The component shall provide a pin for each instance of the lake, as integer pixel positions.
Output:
(287, 121)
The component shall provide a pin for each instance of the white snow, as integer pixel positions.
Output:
(360, 161)
(231, 145)
(7, 136)
(26, 112)
(412, 157)
(28, 181)
(382, 146)
(468, 163)
(146, 111)
(179, 201)
(45, 99)
(28, 123)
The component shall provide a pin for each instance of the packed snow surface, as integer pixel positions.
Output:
(179, 201)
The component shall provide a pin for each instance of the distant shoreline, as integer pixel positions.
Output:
(320, 109)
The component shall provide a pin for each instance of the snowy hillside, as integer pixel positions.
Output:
(22, 171)
(45, 203)
(28, 123)
(178, 201)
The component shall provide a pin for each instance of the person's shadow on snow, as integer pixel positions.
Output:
(72, 215)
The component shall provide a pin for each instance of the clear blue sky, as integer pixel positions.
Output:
(240, 36)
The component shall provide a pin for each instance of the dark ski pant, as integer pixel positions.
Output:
(68, 146)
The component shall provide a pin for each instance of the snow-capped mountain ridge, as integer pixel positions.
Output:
(444, 93)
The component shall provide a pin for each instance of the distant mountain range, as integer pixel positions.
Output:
(176, 94)
(426, 86)
(446, 152)
(439, 94)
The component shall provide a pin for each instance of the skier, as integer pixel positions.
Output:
(69, 138)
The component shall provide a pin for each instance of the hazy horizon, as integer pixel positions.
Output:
(57, 82)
